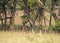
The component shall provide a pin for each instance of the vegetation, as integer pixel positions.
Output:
(36, 19)
(28, 37)
(34, 10)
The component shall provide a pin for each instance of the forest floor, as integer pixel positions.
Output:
(28, 37)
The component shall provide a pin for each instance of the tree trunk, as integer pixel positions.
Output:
(5, 20)
(5, 15)
(12, 23)
(23, 27)
(50, 19)
(13, 9)
(1, 21)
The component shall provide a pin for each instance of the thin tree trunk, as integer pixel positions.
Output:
(50, 19)
(1, 21)
(13, 9)
(5, 20)
(5, 15)
(12, 22)
(1, 24)
(23, 28)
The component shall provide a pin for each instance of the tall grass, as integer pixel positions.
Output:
(28, 37)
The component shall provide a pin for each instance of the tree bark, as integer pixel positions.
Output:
(13, 9)
(5, 15)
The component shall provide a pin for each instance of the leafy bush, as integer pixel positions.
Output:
(56, 27)
(32, 2)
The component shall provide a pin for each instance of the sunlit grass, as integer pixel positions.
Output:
(28, 37)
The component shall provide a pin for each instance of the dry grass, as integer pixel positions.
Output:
(28, 37)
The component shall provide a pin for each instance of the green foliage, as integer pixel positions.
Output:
(24, 19)
(51, 28)
(6, 3)
(57, 26)
(32, 2)
(48, 3)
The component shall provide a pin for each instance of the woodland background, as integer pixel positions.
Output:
(30, 15)
(29, 21)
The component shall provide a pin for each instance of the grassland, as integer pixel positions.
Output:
(28, 37)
